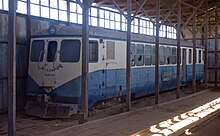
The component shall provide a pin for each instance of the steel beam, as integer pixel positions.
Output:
(119, 9)
(157, 86)
(216, 22)
(68, 12)
(128, 64)
(80, 3)
(216, 48)
(194, 52)
(206, 49)
(187, 21)
(28, 21)
(213, 68)
(212, 28)
(178, 51)
(183, 36)
(162, 14)
(195, 8)
(90, 3)
(145, 12)
(201, 38)
(189, 28)
(100, 3)
(28, 25)
(189, 18)
(85, 63)
(12, 68)
(168, 14)
(139, 8)
(202, 24)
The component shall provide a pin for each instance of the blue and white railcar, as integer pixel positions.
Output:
(54, 74)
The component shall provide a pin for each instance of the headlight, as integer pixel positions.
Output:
(52, 30)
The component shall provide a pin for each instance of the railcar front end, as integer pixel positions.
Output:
(54, 77)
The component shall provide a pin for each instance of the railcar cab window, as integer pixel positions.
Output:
(148, 55)
(139, 57)
(70, 51)
(37, 50)
(51, 51)
(93, 51)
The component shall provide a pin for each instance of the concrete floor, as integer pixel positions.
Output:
(142, 119)
(111, 120)
(208, 128)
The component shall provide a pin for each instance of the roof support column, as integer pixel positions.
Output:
(12, 68)
(216, 47)
(68, 12)
(85, 63)
(128, 64)
(178, 51)
(157, 85)
(206, 49)
(28, 24)
(194, 52)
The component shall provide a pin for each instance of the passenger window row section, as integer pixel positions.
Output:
(145, 55)
(198, 55)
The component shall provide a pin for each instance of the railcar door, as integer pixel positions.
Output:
(49, 78)
(111, 72)
(183, 65)
(37, 60)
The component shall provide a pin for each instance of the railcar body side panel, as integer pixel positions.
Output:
(54, 83)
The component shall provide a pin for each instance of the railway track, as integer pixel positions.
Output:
(26, 122)
(29, 125)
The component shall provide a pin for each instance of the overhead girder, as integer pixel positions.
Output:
(168, 14)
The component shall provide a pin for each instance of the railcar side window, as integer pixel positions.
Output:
(70, 51)
(174, 55)
(132, 54)
(51, 51)
(93, 51)
(190, 56)
(148, 55)
(168, 55)
(139, 57)
(181, 52)
(162, 55)
(200, 56)
(153, 55)
(37, 50)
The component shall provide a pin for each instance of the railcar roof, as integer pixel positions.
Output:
(76, 30)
